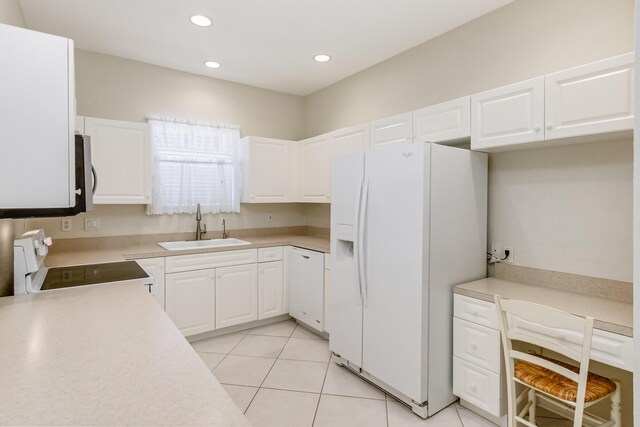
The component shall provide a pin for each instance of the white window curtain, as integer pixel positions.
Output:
(194, 163)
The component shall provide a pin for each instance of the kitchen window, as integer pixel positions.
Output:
(194, 163)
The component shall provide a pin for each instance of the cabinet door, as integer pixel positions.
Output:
(391, 130)
(236, 295)
(121, 156)
(509, 115)
(449, 121)
(267, 168)
(270, 289)
(37, 103)
(590, 99)
(155, 268)
(351, 140)
(190, 300)
(315, 169)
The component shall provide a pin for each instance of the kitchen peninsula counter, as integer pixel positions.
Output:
(103, 355)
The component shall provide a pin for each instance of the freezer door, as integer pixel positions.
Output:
(344, 296)
(396, 258)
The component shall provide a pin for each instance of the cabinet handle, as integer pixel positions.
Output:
(474, 346)
(473, 387)
(536, 128)
(549, 125)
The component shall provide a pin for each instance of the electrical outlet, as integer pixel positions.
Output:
(508, 258)
(91, 224)
(269, 217)
(67, 225)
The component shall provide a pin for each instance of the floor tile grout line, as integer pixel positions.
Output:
(386, 409)
(324, 380)
(265, 377)
(459, 416)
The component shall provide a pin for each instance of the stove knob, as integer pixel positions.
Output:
(47, 241)
(42, 250)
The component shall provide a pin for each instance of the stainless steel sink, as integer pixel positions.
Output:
(202, 244)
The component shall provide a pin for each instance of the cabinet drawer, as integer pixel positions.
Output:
(270, 254)
(606, 347)
(477, 386)
(180, 263)
(476, 311)
(477, 344)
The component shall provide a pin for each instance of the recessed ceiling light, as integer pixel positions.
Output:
(201, 20)
(212, 64)
(322, 58)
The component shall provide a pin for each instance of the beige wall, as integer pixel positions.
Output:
(10, 13)
(567, 209)
(123, 220)
(122, 89)
(522, 40)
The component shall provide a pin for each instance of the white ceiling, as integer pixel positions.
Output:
(264, 43)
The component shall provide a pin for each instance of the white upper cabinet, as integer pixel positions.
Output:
(190, 300)
(121, 156)
(236, 295)
(37, 110)
(315, 169)
(446, 122)
(350, 140)
(267, 170)
(507, 116)
(391, 130)
(590, 99)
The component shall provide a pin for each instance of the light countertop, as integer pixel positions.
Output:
(152, 250)
(102, 355)
(610, 315)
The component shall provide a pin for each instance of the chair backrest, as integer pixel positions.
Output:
(509, 311)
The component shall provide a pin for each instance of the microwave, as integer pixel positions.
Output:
(85, 188)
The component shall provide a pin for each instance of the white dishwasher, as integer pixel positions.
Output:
(306, 287)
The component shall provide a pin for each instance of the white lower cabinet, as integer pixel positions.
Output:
(236, 295)
(477, 386)
(208, 291)
(190, 300)
(155, 268)
(478, 366)
(270, 289)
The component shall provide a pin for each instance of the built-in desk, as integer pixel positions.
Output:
(478, 366)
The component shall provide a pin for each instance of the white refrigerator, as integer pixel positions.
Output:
(408, 222)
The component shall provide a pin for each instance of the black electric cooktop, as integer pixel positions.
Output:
(92, 274)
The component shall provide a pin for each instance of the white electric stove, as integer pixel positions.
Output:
(31, 275)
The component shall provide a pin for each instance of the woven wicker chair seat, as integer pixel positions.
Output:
(557, 385)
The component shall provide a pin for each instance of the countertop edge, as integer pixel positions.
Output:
(598, 324)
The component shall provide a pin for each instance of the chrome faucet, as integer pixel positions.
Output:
(225, 233)
(199, 230)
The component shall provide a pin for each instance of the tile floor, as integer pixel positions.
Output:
(284, 375)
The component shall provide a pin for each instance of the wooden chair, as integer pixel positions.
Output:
(556, 386)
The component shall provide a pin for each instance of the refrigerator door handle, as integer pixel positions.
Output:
(356, 248)
(361, 243)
